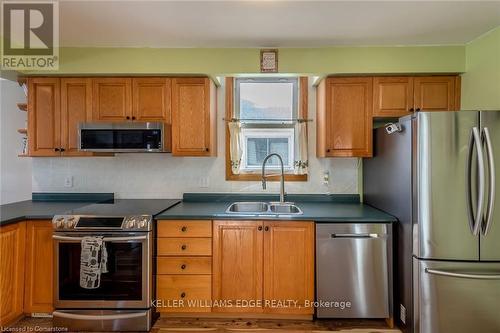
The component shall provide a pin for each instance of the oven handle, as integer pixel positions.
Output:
(97, 317)
(106, 239)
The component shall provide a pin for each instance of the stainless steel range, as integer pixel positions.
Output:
(120, 295)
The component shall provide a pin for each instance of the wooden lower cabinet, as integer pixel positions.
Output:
(12, 255)
(238, 264)
(266, 262)
(38, 292)
(289, 265)
(184, 266)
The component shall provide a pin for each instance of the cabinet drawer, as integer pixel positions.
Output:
(184, 265)
(185, 228)
(184, 246)
(184, 293)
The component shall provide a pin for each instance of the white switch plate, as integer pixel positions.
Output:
(204, 182)
(68, 181)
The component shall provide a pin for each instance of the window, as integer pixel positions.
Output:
(266, 109)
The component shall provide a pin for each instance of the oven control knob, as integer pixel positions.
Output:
(70, 222)
(130, 223)
(59, 223)
(142, 223)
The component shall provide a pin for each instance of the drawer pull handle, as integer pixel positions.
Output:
(183, 247)
(183, 295)
(184, 229)
(183, 266)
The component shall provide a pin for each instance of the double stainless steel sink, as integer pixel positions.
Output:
(263, 208)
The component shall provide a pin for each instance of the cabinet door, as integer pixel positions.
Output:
(39, 267)
(193, 117)
(76, 107)
(12, 239)
(44, 117)
(289, 265)
(237, 263)
(436, 93)
(349, 117)
(392, 96)
(112, 100)
(151, 99)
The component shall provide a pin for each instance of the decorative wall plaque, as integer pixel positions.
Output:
(269, 61)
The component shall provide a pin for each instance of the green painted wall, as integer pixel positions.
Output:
(318, 61)
(481, 83)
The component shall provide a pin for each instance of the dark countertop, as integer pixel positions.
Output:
(126, 207)
(317, 210)
(45, 210)
(34, 210)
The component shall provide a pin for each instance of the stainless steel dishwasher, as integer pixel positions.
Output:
(354, 270)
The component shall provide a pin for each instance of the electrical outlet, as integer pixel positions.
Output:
(204, 182)
(402, 313)
(68, 181)
(326, 177)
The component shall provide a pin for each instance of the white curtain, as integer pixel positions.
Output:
(235, 146)
(301, 163)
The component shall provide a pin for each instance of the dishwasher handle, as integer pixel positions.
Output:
(355, 236)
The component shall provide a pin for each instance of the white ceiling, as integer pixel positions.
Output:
(273, 23)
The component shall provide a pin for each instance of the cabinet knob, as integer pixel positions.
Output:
(57, 149)
(259, 228)
(183, 247)
(418, 109)
(412, 109)
(266, 229)
(206, 149)
(184, 229)
(133, 117)
(183, 294)
(62, 149)
(328, 150)
(183, 266)
(127, 117)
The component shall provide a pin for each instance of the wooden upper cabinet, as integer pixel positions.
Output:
(151, 99)
(39, 267)
(44, 118)
(12, 252)
(437, 93)
(237, 263)
(392, 96)
(289, 264)
(344, 117)
(194, 117)
(76, 107)
(112, 99)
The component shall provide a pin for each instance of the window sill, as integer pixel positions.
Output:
(250, 176)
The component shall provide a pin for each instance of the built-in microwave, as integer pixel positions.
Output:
(126, 137)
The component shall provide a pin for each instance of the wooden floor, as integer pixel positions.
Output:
(186, 325)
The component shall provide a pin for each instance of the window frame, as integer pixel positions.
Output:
(301, 113)
(291, 150)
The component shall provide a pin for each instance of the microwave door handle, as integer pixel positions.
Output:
(492, 182)
(463, 275)
(97, 317)
(106, 239)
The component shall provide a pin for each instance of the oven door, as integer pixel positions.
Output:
(127, 284)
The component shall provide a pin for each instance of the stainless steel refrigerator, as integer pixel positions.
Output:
(436, 174)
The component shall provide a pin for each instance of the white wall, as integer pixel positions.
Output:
(165, 176)
(15, 172)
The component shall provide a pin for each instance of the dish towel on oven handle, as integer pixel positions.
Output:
(93, 261)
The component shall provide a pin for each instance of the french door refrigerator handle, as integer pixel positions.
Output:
(463, 275)
(492, 182)
(475, 221)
